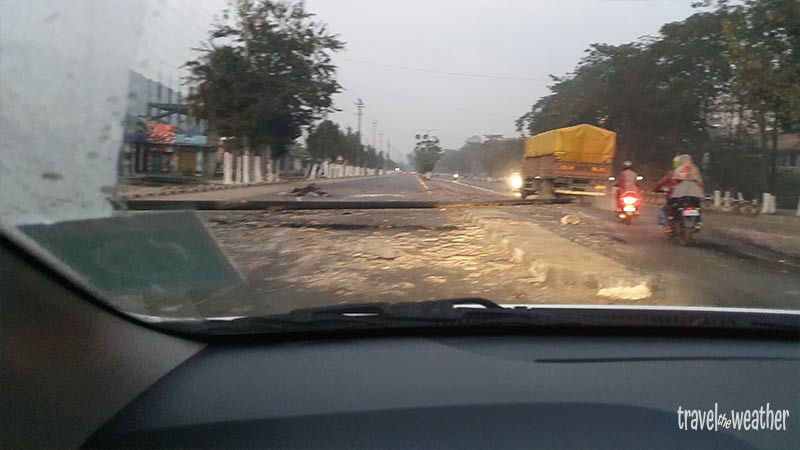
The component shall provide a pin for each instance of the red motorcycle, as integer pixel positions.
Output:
(628, 204)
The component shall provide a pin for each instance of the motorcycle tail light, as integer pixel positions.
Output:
(629, 200)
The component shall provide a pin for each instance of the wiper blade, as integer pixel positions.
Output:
(475, 313)
(463, 312)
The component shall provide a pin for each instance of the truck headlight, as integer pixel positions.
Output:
(515, 181)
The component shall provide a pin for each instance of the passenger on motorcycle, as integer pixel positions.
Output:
(684, 180)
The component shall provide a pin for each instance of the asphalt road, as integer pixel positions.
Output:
(342, 255)
(718, 268)
(365, 189)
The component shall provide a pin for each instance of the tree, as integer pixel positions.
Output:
(500, 156)
(325, 141)
(426, 153)
(265, 73)
(492, 155)
(763, 40)
(715, 83)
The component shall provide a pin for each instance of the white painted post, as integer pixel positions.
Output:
(727, 203)
(257, 176)
(246, 168)
(238, 170)
(717, 199)
(773, 200)
(270, 175)
(227, 168)
(765, 203)
(326, 169)
(312, 175)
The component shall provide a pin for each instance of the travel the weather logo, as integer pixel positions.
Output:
(763, 418)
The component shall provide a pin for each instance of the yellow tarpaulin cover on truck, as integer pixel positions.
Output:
(581, 143)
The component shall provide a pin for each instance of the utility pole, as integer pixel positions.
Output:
(380, 142)
(374, 131)
(359, 107)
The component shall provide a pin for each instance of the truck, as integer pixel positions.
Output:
(573, 160)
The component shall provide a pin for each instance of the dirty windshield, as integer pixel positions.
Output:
(227, 158)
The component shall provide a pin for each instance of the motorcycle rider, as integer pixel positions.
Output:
(627, 181)
(684, 180)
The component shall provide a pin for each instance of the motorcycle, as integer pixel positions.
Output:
(628, 205)
(684, 221)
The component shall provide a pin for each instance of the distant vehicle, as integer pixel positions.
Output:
(573, 160)
(413, 173)
(455, 177)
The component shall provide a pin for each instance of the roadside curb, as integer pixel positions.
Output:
(203, 188)
(553, 260)
(221, 187)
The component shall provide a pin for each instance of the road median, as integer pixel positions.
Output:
(556, 261)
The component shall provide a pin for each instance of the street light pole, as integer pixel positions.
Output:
(359, 107)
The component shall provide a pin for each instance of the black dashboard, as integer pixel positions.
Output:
(462, 392)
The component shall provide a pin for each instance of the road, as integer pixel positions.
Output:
(366, 189)
(293, 259)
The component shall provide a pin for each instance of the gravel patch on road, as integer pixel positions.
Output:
(295, 267)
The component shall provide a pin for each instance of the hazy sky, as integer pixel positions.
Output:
(515, 43)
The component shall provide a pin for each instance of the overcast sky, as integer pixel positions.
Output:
(513, 44)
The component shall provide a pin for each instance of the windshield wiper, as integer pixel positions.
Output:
(478, 313)
(462, 312)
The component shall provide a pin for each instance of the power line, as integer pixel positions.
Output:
(196, 7)
(183, 16)
(442, 72)
(406, 98)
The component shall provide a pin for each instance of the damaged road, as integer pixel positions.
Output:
(296, 259)
(532, 254)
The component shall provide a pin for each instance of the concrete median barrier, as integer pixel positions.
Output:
(553, 260)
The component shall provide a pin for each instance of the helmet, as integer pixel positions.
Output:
(627, 164)
(676, 161)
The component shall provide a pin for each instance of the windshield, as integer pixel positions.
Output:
(248, 158)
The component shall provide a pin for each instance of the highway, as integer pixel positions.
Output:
(293, 259)
(364, 189)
